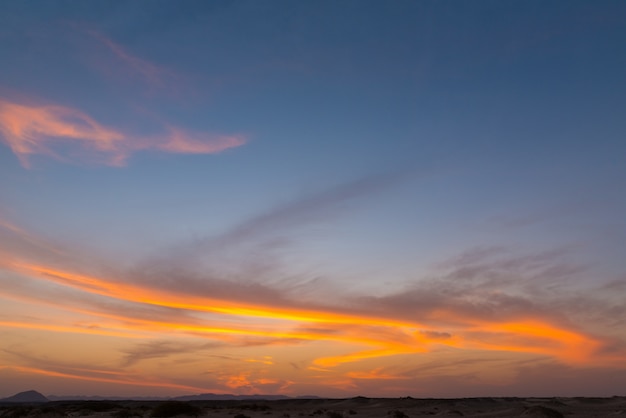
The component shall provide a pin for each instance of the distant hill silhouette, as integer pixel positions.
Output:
(196, 397)
(54, 398)
(30, 396)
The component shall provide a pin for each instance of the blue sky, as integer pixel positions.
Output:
(456, 167)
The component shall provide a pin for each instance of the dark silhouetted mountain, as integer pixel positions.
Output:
(30, 396)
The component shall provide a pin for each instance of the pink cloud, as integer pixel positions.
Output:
(45, 129)
(33, 129)
(184, 142)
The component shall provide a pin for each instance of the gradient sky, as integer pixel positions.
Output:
(336, 198)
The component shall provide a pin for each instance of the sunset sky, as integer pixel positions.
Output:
(332, 198)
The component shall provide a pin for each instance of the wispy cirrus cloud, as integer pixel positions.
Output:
(269, 230)
(69, 134)
(154, 75)
(17, 239)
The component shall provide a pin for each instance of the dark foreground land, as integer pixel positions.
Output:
(326, 408)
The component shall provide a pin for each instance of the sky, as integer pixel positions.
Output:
(332, 198)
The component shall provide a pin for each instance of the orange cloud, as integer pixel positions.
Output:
(243, 381)
(376, 374)
(134, 293)
(237, 381)
(535, 336)
(530, 336)
(362, 355)
(42, 129)
(385, 337)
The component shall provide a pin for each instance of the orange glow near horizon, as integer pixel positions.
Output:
(129, 382)
(388, 337)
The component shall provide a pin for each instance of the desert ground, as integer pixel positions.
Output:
(326, 408)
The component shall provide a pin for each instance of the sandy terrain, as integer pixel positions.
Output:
(328, 408)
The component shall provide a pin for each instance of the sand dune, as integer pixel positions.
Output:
(358, 407)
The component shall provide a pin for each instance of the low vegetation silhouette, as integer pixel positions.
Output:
(175, 408)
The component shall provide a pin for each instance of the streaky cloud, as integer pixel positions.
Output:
(160, 349)
(269, 230)
(20, 240)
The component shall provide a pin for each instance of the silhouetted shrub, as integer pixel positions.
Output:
(256, 407)
(51, 411)
(241, 416)
(542, 411)
(397, 414)
(334, 414)
(126, 413)
(173, 408)
(17, 411)
(99, 406)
